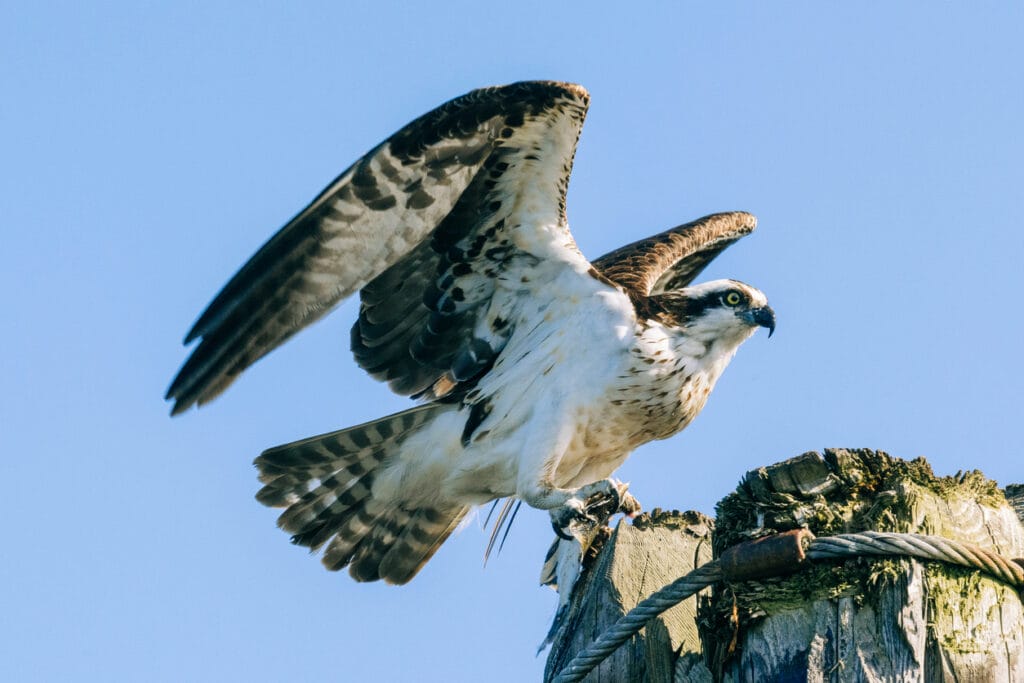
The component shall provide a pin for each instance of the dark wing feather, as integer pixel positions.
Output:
(453, 332)
(392, 311)
(375, 216)
(672, 259)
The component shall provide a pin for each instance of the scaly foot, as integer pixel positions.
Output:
(591, 506)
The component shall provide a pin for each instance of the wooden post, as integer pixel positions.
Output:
(1015, 497)
(637, 560)
(864, 619)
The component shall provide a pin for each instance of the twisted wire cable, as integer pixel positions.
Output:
(841, 546)
(634, 620)
(920, 546)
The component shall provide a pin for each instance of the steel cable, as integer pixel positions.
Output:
(841, 546)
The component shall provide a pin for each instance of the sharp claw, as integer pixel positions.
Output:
(610, 497)
(615, 497)
(558, 531)
(572, 511)
(600, 501)
(629, 506)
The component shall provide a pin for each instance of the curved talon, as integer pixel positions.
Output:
(558, 531)
(592, 506)
(571, 513)
(608, 497)
(629, 505)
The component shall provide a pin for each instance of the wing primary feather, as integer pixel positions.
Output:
(366, 221)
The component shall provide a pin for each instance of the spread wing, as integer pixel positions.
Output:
(427, 221)
(672, 259)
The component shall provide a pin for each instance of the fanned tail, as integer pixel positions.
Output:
(325, 484)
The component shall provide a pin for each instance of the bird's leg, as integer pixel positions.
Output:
(564, 505)
(540, 455)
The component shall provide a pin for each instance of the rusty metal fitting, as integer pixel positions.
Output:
(760, 558)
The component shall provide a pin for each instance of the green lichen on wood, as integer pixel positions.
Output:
(816, 582)
(844, 491)
(955, 596)
(951, 603)
(672, 519)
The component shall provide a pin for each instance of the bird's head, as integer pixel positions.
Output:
(727, 311)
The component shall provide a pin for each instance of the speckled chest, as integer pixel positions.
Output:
(665, 385)
(652, 397)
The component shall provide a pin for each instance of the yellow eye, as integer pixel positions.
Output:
(733, 298)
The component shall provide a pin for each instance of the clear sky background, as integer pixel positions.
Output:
(146, 150)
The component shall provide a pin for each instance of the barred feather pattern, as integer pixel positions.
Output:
(544, 369)
(674, 258)
(371, 217)
(325, 484)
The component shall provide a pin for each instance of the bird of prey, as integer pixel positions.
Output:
(537, 371)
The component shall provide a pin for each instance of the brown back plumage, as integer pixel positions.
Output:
(672, 259)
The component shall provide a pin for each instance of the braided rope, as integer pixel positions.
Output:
(631, 622)
(920, 546)
(833, 547)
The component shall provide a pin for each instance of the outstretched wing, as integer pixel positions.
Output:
(672, 259)
(438, 207)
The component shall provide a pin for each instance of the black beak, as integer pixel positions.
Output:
(762, 317)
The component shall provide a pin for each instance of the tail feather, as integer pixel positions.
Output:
(367, 558)
(351, 534)
(331, 498)
(418, 542)
(325, 484)
(281, 494)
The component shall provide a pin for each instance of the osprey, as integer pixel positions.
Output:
(538, 371)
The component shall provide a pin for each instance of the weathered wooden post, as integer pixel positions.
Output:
(865, 619)
(637, 560)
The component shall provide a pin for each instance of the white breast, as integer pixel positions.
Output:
(560, 366)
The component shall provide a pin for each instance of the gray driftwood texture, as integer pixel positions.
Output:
(860, 620)
(639, 559)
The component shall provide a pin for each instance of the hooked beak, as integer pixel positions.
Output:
(762, 317)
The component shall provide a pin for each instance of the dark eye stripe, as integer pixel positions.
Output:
(697, 306)
(682, 308)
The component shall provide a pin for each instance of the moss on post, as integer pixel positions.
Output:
(865, 619)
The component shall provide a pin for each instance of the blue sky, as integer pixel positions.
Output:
(148, 149)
